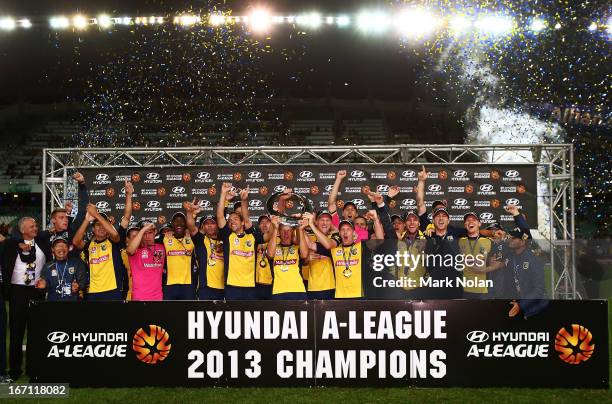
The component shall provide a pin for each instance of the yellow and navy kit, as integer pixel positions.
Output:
(286, 270)
(415, 248)
(350, 266)
(263, 270)
(239, 253)
(209, 253)
(128, 272)
(321, 269)
(105, 264)
(179, 254)
(475, 246)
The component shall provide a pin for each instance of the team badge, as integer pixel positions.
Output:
(353, 250)
(339, 253)
(145, 254)
(93, 250)
(170, 242)
(482, 250)
(236, 241)
(450, 238)
(526, 265)
(291, 250)
(103, 247)
(53, 272)
(71, 270)
(187, 240)
(279, 251)
(249, 243)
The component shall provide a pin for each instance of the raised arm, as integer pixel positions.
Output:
(303, 237)
(420, 191)
(113, 235)
(191, 212)
(127, 211)
(137, 239)
(519, 219)
(79, 237)
(244, 207)
(333, 195)
(271, 249)
(226, 191)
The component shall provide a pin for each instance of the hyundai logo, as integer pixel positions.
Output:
(408, 174)
(306, 174)
(102, 177)
(382, 188)
(512, 202)
(486, 216)
(357, 174)
(408, 202)
(486, 187)
(254, 202)
(358, 202)
(204, 203)
(329, 187)
(254, 175)
(512, 173)
(57, 337)
(102, 205)
(153, 204)
(460, 173)
(477, 336)
(435, 187)
(279, 188)
(203, 175)
(460, 201)
(152, 176)
(178, 190)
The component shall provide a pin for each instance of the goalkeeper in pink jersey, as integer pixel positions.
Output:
(147, 263)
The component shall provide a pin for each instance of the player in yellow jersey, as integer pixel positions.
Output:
(209, 253)
(263, 271)
(478, 247)
(103, 255)
(180, 263)
(322, 282)
(288, 283)
(240, 240)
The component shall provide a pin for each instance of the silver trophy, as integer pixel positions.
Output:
(289, 206)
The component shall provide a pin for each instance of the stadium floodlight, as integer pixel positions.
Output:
(593, 26)
(126, 20)
(343, 20)
(537, 25)
(79, 21)
(416, 23)
(260, 20)
(7, 23)
(314, 20)
(25, 23)
(459, 24)
(373, 21)
(187, 20)
(329, 20)
(104, 21)
(60, 22)
(160, 20)
(291, 19)
(278, 19)
(216, 20)
(494, 24)
(152, 20)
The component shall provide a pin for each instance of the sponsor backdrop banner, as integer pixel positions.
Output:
(159, 192)
(319, 343)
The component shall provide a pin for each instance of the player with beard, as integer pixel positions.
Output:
(287, 280)
(322, 282)
(240, 239)
(478, 247)
(180, 265)
(103, 254)
(263, 271)
(209, 253)
(350, 258)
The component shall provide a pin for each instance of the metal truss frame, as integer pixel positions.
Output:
(555, 163)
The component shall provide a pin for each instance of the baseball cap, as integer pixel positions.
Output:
(345, 222)
(349, 203)
(165, 226)
(59, 239)
(206, 218)
(393, 217)
(132, 226)
(143, 223)
(410, 213)
(440, 210)
(436, 203)
(470, 214)
(263, 217)
(104, 215)
(517, 232)
(323, 212)
(176, 214)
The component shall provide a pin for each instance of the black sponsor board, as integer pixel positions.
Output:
(484, 189)
(318, 343)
